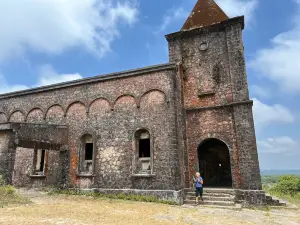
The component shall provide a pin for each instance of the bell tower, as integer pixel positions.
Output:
(209, 53)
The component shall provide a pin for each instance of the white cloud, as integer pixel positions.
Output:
(172, 16)
(53, 26)
(235, 8)
(267, 114)
(278, 145)
(280, 62)
(260, 91)
(46, 76)
(6, 88)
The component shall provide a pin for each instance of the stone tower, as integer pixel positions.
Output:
(217, 119)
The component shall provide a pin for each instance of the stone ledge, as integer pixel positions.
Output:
(250, 102)
(85, 175)
(205, 94)
(37, 176)
(143, 175)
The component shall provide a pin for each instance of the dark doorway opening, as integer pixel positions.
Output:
(214, 163)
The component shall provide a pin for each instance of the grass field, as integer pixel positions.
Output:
(81, 210)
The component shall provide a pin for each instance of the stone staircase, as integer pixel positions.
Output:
(224, 197)
(212, 196)
(273, 201)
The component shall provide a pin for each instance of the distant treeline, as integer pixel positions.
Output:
(273, 179)
(279, 172)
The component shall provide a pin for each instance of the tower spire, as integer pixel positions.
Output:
(205, 13)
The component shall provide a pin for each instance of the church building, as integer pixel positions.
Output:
(145, 131)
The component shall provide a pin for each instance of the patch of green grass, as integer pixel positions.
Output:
(9, 195)
(293, 199)
(259, 208)
(122, 196)
(268, 214)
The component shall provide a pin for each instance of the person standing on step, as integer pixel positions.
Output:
(199, 187)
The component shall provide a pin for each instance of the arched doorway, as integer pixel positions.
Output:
(214, 163)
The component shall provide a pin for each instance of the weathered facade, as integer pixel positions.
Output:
(144, 131)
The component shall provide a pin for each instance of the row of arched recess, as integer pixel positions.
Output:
(97, 107)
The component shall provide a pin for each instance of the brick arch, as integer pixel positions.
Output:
(76, 109)
(99, 106)
(125, 102)
(3, 117)
(35, 115)
(153, 97)
(199, 141)
(17, 116)
(54, 114)
(210, 152)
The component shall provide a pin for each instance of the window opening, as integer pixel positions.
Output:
(40, 161)
(144, 145)
(88, 151)
(86, 154)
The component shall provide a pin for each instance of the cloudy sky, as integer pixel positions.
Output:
(43, 42)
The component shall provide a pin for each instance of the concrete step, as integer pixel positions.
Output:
(214, 190)
(211, 194)
(236, 207)
(219, 203)
(211, 198)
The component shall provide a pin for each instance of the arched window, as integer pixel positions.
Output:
(143, 152)
(86, 155)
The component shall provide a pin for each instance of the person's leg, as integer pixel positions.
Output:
(197, 194)
(201, 193)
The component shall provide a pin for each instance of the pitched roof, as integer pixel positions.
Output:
(205, 13)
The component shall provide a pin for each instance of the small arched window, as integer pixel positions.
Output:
(143, 152)
(86, 157)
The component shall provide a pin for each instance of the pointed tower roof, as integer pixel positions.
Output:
(205, 13)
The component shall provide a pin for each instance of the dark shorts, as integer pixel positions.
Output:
(199, 191)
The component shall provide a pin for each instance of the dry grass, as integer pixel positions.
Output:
(75, 210)
(88, 210)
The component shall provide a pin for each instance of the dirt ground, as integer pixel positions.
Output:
(80, 210)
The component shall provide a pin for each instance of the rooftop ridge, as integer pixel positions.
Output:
(205, 13)
(89, 80)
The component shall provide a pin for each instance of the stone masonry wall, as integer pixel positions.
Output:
(243, 116)
(216, 96)
(111, 111)
(215, 124)
(24, 166)
(4, 140)
(7, 155)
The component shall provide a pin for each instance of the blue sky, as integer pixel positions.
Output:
(43, 42)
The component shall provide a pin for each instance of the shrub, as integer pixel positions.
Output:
(269, 179)
(9, 195)
(287, 185)
(2, 182)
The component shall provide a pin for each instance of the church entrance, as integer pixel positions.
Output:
(214, 163)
